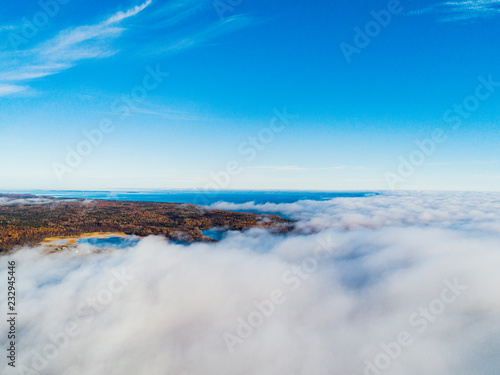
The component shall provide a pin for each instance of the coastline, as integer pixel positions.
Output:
(63, 222)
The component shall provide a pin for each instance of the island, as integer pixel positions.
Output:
(28, 220)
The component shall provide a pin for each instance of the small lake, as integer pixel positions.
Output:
(214, 233)
(112, 242)
(102, 241)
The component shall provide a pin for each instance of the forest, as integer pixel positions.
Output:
(26, 223)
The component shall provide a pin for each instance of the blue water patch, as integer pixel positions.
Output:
(214, 233)
(201, 197)
(113, 242)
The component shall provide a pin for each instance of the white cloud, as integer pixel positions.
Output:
(406, 208)
(183, 24)
(389, 258)
(7, 27)
(10, 89)
(297, 168)
(67, 48)
(33, 72)
(201, 34)
(131, 12)
(27, 201)
(10, 201)
(462, 10)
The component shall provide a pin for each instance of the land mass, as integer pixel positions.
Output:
(29, 220)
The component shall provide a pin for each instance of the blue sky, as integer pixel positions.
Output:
(234, 69)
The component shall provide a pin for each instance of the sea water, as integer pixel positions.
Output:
(202, 197)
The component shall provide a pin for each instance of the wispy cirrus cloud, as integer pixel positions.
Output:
(7, 27)
(64, 50)
(190, 23)
(32, 72)
(205, 33)
(482, 162)
(178, 26)
(10, 89)
(297, 168)
(165, 112)
(129, 13)
(462, 10)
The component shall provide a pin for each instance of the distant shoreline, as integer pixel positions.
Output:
(29, 220)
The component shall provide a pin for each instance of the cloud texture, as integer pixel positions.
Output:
(7, 201)
(463, 9)
(333, 298)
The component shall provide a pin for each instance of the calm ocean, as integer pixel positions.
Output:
(202, 197)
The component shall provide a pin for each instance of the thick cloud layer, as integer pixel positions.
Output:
(452, 210)
(403, 284)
